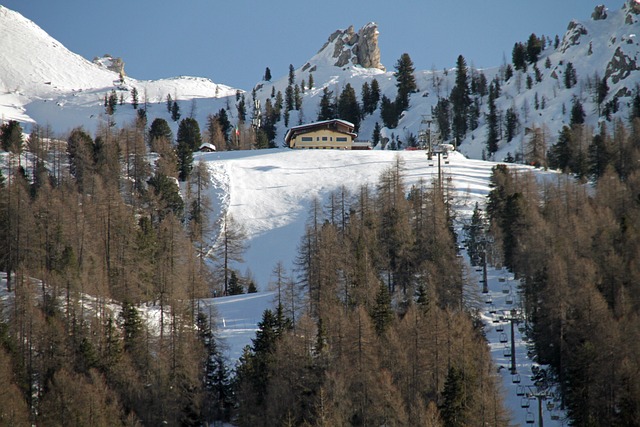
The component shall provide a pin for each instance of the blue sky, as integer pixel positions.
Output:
(231, 42)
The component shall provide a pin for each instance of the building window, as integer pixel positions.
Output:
(307, 139)
(341, 139)
(324, 138)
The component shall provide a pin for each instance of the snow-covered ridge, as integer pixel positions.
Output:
(42, 81)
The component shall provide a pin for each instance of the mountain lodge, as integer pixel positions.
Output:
(327, 134)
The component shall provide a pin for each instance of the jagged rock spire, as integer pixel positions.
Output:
(361, 48)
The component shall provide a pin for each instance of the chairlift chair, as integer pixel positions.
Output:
(503, 338)
(506, 289)
(530, 418)
(522, 328)
(555, 417)
(500, 327)
(506, 352)
(492, 309)
(515, 378)
(524, 402)
(550, 405)
(520, 390)
(501, 279)
(509, 299)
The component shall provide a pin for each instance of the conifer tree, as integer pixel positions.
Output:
(289, 101)
(388, 113)
(175, 111)
(454, 405)
(460, 101)
(375, 138)
(267, 75)
(292, 75)
(134, 98)
(519, 57)
(577, 113)
(160, 129)
(381, 313)
(570, 76)
(348, 107)
(375, 95)
(11, 136)
(188, 141)
(405, 81)
(442, 115)
(534, 47)
(511, 125)
(327, 111)
(492, 123)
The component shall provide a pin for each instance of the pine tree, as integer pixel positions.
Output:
(365, 96)
(508, 72)
(134, 98)
(570, 76)
(160, 129)
(519, 57)
(375, 95)
(443, 118)
(235, 287)
(534, 47)
(297, 98)
(602, 90)
(492, 123)
(511, 119)
(267, 75)
(11, 136)
(292, 75)
(460, 101)
(388, 113)
(560, 153)
(454, 399)
(169, 103)
(327, 111)
(188, 141)
(348, 107)
(405, 81)
(376, 134)
(175, 111)
(577, 113)
(310, 80)
(382, 313)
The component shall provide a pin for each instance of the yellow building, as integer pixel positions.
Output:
(329, 134)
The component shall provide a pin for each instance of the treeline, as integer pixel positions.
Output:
(376, 326)
(576, 249)
(90, 234)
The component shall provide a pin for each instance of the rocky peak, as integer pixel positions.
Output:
(599, 13)
(572, 37)
(348, 47)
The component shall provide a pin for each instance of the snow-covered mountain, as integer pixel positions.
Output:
(42, 81)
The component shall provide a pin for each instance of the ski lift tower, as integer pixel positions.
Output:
(425, 134)
(256, 119)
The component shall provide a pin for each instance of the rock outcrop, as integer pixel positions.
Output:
(349, 47)
(110, 63)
